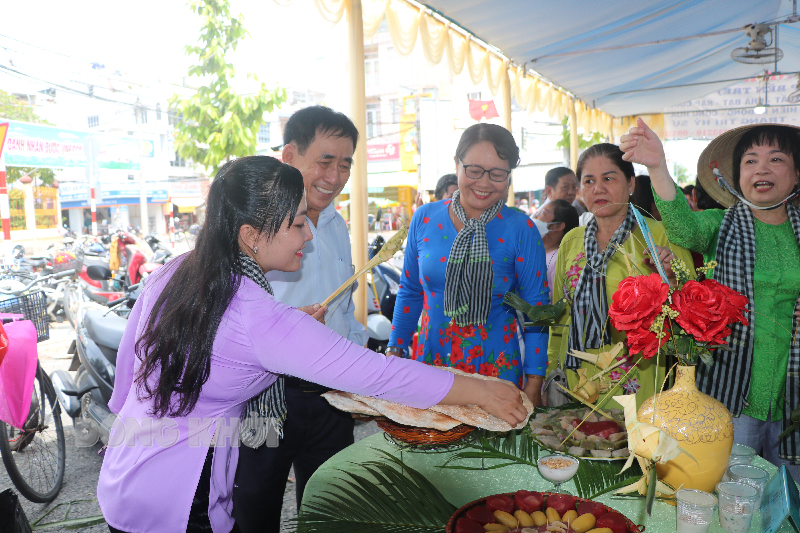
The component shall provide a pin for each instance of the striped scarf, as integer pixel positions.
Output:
(468, 277)
(590, 328)
(270, 404)
(728, 380)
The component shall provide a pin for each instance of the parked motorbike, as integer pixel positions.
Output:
(161, 253)
(85, 398)
(383, 283)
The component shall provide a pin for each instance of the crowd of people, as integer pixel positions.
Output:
(233, 333)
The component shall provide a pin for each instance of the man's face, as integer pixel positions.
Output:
(325, 167)
(566, 189)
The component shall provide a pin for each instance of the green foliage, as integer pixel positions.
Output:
(681, 175)
(593, 478)
(217, 123)
(67, 522)
(15, 108)
(45, 175)
(539, 315)
(396, 498)
(584, 141)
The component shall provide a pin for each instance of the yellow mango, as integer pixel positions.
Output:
(539, 518)
(569, 516)
(506, 519)
(600, 530)
(583, 523)
(496, 527)
(552, 515)
(523, 518)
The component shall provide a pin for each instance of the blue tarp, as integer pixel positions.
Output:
(622, 82)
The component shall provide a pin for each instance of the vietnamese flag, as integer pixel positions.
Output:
(479, 109)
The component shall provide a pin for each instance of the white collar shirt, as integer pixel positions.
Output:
(326, 264)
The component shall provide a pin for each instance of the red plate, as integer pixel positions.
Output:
(451, 524)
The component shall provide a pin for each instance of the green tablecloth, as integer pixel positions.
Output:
(463, 486)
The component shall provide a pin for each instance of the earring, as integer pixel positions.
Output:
(255, 249)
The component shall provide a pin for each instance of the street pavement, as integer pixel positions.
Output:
(83, 464)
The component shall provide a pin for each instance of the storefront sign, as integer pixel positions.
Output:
(383, 152)
(33, 145)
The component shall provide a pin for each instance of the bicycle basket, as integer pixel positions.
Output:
(33, 307)
(66, 260)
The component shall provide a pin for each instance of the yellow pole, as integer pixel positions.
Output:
(506, 88)
(358, 177)
(573, 136)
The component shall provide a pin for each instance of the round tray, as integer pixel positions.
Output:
(416, 435)
(451, 524)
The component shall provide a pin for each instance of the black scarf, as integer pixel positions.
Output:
(589, 328)
(270, 404)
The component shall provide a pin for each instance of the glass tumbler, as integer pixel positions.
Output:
(695, 509)
(741, 455)
(737, 503)
(749, 475)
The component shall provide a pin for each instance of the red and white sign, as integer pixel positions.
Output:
(383, 152)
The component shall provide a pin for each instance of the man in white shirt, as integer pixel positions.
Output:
(560, 183)
(320, 143)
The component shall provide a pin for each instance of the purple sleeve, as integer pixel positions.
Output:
(126, 359)
(408, 304)
(291, 342)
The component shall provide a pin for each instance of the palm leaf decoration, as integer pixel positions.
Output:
(539, 315)
(388, 496)
(593, 478)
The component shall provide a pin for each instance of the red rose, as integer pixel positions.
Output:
(637, 302)
(703, 313)
(736, 301)
(645, 342)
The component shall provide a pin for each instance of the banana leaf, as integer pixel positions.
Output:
(539, 315)
(387, 496)
(67, 522)
(593, 478)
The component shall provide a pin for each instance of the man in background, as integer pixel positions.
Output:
(560, 183)
(320, 143)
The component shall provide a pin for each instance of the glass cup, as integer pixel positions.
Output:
(558, 468)
(749, 475)
(695, 509)
(737, 503)
(741, 455)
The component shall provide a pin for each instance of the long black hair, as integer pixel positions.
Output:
(175, 348)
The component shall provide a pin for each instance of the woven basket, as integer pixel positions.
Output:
(451, 524)
(416, 435)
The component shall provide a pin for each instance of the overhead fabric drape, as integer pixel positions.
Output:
(440, 39)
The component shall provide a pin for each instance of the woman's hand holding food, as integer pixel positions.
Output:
(497, 398)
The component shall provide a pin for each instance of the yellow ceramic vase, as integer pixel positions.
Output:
(701, 425)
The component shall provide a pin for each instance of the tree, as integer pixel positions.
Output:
(216, 123)
(15, 108)
(681, 175)
(584, 142)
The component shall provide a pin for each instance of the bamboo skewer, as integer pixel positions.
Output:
(389, 249)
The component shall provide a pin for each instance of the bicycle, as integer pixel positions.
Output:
(35, 454)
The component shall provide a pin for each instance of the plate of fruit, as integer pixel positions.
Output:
(584, 434)
(533, 512)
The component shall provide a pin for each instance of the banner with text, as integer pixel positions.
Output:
(734, 106)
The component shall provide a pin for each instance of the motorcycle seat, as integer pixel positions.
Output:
(149, 268)
(105, 330)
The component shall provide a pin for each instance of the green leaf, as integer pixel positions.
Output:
(651, 491)
(388, 496)
(707, 358)
(539, 315)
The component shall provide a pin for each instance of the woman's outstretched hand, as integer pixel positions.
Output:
(665, 255)
(497, 398)
(316, 311)
(641, 145)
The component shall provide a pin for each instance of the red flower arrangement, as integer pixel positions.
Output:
(687, 321)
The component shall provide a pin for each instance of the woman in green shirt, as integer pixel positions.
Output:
(756, 242)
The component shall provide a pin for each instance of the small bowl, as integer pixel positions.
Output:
(558, 468)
